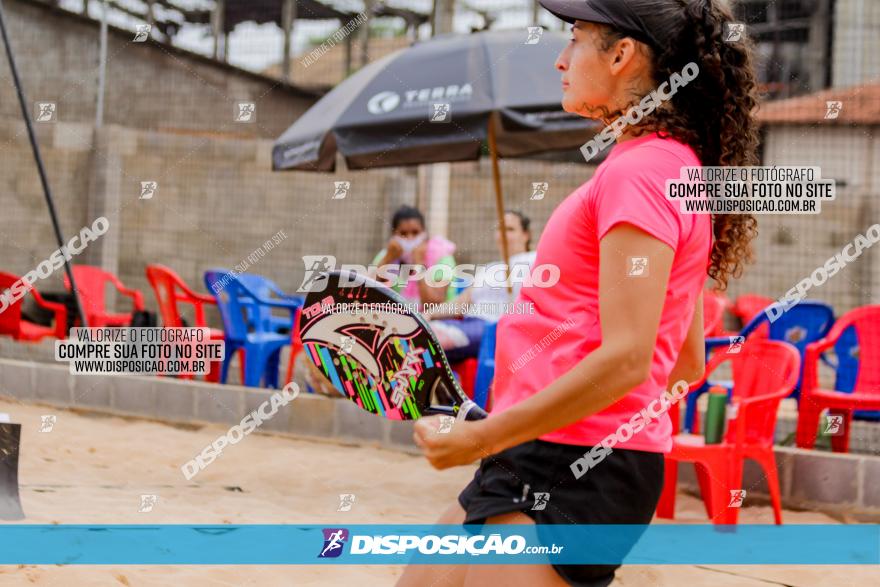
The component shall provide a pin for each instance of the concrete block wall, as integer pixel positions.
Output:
(149, 85)
(192, 402)
(812, 480)
(26, 236)
(219, 202)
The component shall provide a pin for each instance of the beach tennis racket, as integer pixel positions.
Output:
(377, 351)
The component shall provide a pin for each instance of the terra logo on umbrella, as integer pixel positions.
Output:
(386, 101)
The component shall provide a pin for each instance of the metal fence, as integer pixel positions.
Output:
(169, 119)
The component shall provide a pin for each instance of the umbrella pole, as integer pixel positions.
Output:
(499, 206)
(39, 160)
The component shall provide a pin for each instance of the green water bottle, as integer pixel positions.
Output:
(716, 413)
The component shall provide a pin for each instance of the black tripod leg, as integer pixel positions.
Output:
(10, 503)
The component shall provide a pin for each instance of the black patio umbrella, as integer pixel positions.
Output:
(439, 101)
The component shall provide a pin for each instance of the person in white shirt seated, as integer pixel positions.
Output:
(459, 328)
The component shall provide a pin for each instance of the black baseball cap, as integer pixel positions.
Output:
(615, 13)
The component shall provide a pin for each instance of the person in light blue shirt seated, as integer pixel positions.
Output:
(459, 328)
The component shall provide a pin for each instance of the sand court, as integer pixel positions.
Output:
(94, 468)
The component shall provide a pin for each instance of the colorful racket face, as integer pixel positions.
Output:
(378, 351)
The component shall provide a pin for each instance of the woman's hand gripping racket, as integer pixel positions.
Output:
(376, 351)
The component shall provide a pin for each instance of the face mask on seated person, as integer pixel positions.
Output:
(409, 245)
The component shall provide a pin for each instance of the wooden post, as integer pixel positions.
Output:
(817, 64)
(349, 46)
(499, 204)
(288, 15)
(217, 25)
(364, 32)
(444, 10)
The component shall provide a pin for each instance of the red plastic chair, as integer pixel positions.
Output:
(91, 282)
(171, 289)
(747, 306)
(764, 372)
(714, 305)
(13, 324)
(296, 346)
(865, 394)
(467, 375)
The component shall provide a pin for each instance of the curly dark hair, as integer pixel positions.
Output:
(713, 113)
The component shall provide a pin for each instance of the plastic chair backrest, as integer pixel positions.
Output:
(846, 349)
(748, 306)
(714, 305)
(233, 302)
(165, 283)
(91, 282)
(10, 318)
(866, 322)
(804, 323)
(762, 368)
(262, 286)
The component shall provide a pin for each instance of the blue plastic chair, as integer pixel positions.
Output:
(268, 289)
(458, 285)
(245, 327)
(804, 323)
(485, 365)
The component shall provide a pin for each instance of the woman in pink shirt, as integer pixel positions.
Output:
(624, 321)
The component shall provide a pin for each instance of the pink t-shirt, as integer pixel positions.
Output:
(628, 187)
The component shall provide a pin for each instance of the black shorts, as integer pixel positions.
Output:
(623, 489)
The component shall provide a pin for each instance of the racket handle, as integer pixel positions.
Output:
(471, 411)
(466, 411)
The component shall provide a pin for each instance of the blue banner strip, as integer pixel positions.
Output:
(438, 544)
